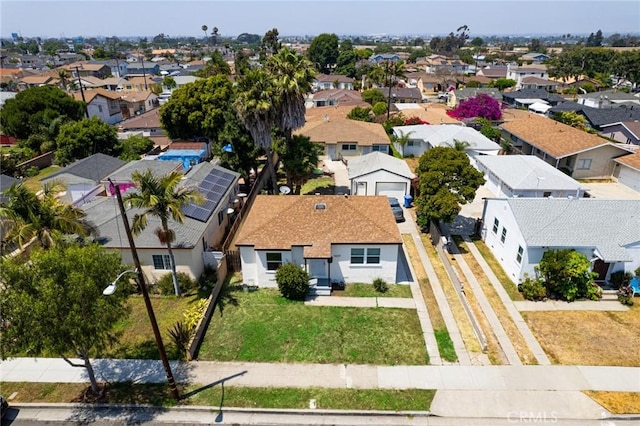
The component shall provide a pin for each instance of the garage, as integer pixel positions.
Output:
(630, 177)
(392, 189)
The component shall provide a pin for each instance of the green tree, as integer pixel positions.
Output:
(346, 61)
(568, 273)
(80, 139)
(373, 96)
(216, 65)
(487, 129)
(270, 43)
(477, 42)
(206, 36)
(571, 118)
(473, 84)
(504, 83)
(164, 199)
(293, 281)
(53, 304)
(537, 46)
(447, 179)
(134, 147)
(323, 51)
(379, 108)
(25, 216)
(299, 160)
(36, 107)
(169, 82)
(460, 146)
(360, 114)
(244, 153)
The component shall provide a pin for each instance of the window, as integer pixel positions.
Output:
(496, 224)
(584, 164)
(161, 261)
(357, 256)
(360, 256)
(379, 148)
(220, 217)
(411, 143)
(504, 234)
(100, 108)
(349, 147)
(519, 255)
(274, 261)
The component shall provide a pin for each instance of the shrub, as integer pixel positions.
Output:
(165, 284)
(181, 336)
(637, 271)
(208, 278)
(380, 285)
(625, 295)
(566, 274)
(482, 105)
(293, 281)
(533, 288)
(594, 292)
(193, 314)
(380, 108)
(620, 279)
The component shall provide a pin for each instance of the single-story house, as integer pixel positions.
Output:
(519, 230)
(83, 178)
(6, 182)
(526, 97)
(196, 240)
(607, 98)
(493, 71)
(402, 95)
(332, 81)
(122, 176)
(35, 81)
(334, 97)
(599, 118)
(580, 154)
(343, 138)
(379, 174)
(423, 137)
(335, 238)
(384, 57)
(628, 170)
(457, 96)
(533, 82)
(534, 57)
(623, 132)
(526, 176)
(148, 122)
(188, 157)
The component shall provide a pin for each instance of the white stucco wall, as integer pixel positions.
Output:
(189, 261)
(505, 252)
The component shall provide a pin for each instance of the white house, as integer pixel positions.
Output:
(335, 238)
(101, 103)
(526, 176)
(333, 81)
(423, 137)
(519, 230)
(379, 174)
(517, 73)
(628, 170)
(83, 179)
(196, 240)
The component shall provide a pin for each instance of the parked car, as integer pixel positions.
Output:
(5, 406)
(396, 209)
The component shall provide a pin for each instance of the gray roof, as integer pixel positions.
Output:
(533, 94)
(91, 169)
(6, 182)
(445, 134)
(374, 161)
(522, 172)
(472, 92)
(606, 225)
(158, 168)
(610, 94)
(599, 117)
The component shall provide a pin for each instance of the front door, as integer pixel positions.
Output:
(317, 268)
(601, 268)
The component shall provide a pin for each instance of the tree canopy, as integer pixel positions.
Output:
(482, 105)
(446, 180)
(568, 274)
(323, 52)
(80, 139)
(54, 304)
(299, 160)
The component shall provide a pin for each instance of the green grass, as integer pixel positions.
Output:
(263, 326)
(33, 183)
(507, 283)
(445, 345)
(228, 396)
(367, 290)
(137, 341)
(325, 185)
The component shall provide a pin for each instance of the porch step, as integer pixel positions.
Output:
(320, 290)
(609, 295)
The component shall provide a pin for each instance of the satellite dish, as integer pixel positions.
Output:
(230, 210)
(285, 190)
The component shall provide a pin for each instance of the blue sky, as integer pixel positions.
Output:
(53, 18)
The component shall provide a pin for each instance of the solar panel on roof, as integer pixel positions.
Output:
(213, 187)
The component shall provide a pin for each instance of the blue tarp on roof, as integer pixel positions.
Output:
(189, 157)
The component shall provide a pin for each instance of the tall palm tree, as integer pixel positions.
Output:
(206, 36)
(27, 216)
(401, 140)
(64, 75)
(164, 198)
(214, 35)
(459, 145)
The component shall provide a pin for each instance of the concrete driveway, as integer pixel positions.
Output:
(340, 176)
(612, 190)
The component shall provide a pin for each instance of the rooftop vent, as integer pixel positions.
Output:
(320, 206)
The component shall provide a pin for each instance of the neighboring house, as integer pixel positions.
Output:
(532, 82)
(424, 137)
(607, 98)
(426, 83)
(138, 69)
(402, 95)
(517, 73)
(5, 183)
(102, 104)
(333, 81)
(379, 174)
(334, 238)
(343, 138)
(580, 154)
(623, 132)
(384, 57)
(526, 176)
(457, 96)
(526, 97)
(628, 170)
(196, 239)
(83, 179)
(180, 80)
(493, 72)
(87, 69)
(123, 176)
(484, 81)
(139, 83)
(334, 97)
(599, 118)
(117, 67)
(136, 103)
(436, 64)
(148, 122)
(520, 230)
(534, 58)
(35, 81)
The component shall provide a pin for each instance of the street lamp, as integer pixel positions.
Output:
(86, 110)
(111, 288)
(145, 294)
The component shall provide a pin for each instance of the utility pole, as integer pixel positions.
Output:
(86, 109)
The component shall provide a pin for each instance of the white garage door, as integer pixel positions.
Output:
(392, 189)
(630, 177)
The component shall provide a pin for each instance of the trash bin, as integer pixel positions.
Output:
(407, 200)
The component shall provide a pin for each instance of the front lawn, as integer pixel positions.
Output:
(324, 185)
(262, 326)
(367, 290)
(33, 183)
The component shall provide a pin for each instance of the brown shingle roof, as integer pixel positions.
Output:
(36, 79)
(330, 78)
(148, 120)
(631, 160)
(634, 127)
(333, 131)
(552, 137)
(89, 95)
(280, 222)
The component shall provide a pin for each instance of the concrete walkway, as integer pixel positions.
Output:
(362, 302)
(340, 175)
(409, 227)
(582, 305)
(509, 304)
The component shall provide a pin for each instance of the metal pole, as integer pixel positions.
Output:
(145, 295)
(144, 75)
(389, 94)
(86, 109)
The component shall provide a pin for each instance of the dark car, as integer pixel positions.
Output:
(396, 209)
(5, 406)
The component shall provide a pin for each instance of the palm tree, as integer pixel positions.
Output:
(206, 36)
(214, 34)
(401, 140)
(460, 146)
(164, 198)
(41, 217)
(64, 75)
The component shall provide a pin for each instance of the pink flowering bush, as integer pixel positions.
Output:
(414, 120)
(482, 105)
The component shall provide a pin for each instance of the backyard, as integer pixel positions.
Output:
(262, 326)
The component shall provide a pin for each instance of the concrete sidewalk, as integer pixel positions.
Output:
(362, 302)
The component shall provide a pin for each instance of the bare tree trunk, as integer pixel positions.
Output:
(272, 171)
(87, 364)
(174, 273)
